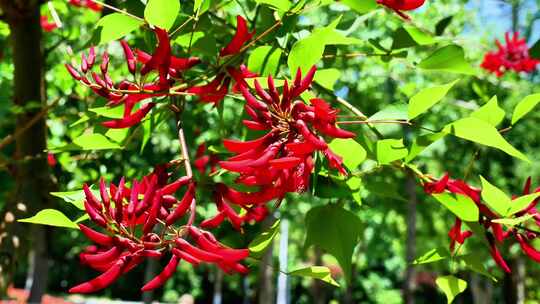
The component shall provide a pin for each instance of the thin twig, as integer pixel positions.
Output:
(10, 138)
(118, 10)
(184, 148)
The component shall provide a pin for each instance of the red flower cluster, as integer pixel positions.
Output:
(497, 235)
(204, 160)
(512, 56)
(46, 25)
(90, 4)
(130, 93)
(282, 160)
(131, 224)
(170, 76)
(402, 5)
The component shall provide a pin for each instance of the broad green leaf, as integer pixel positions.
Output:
(75, 197)
(389, 150)
(117, 135)
(521, 203)
(534, 51)
(490, 112)
(162, 13)
(328, 187)
(408, 36)
(336, 231)
(481, 132)
(197, 4)
(361, 6)
(282, 5)
(115, 26)
(525, 106)
(451, 286)
(264, 60)
(494, 197)
(392, 112)
(327, 78)
(475, 262)
(421, 143)
(307, 52)
(514, 221)
(427, 98)
(352, 152)
(50, 217)
(317, 272)
(442, 25)
(114, 112)
(260, 244)
(432, 256)
(460, 205)
(450, 58)
(94, 141)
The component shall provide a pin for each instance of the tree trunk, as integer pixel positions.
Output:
(410, 249)
(31, 168)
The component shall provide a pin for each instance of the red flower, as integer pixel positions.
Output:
(131, 93)
(241, 36)
(51, 160)
(130, 222)
(282, 160)
(402, 5)
(46, 25)
(512, 56)
(204, 160)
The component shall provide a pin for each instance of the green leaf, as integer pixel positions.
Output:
(115, 26)
(521, 203)
(408, 36)
(432, 256)
(475, 262)
(75, 197)
(460, 205)
(260, 244)
(442, 25)
(525, 106)
(162, 13)
(421, 143)
(514, 221)
(481, 132)
(94, 141)
(494, 197)
(281, 5)
(490, 112)
(50, 217)
(389, 150)
(114, 112)
(336, 231)
(307, 52)
(534, 51)
(264, 60)
(352, 152)
(451, 286)
(360, 6)
(450, 58)
(427, 98)
(317, 272)
(327, 78)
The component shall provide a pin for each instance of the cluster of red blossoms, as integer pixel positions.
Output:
(514, 55)
(279, 162)
(282, 160)
(495, 233)
(137, 229)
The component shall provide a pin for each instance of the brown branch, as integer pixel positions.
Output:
(10, 138)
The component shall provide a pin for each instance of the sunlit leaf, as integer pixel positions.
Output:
(50, 217)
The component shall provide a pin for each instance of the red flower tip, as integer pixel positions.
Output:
(241, 36)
